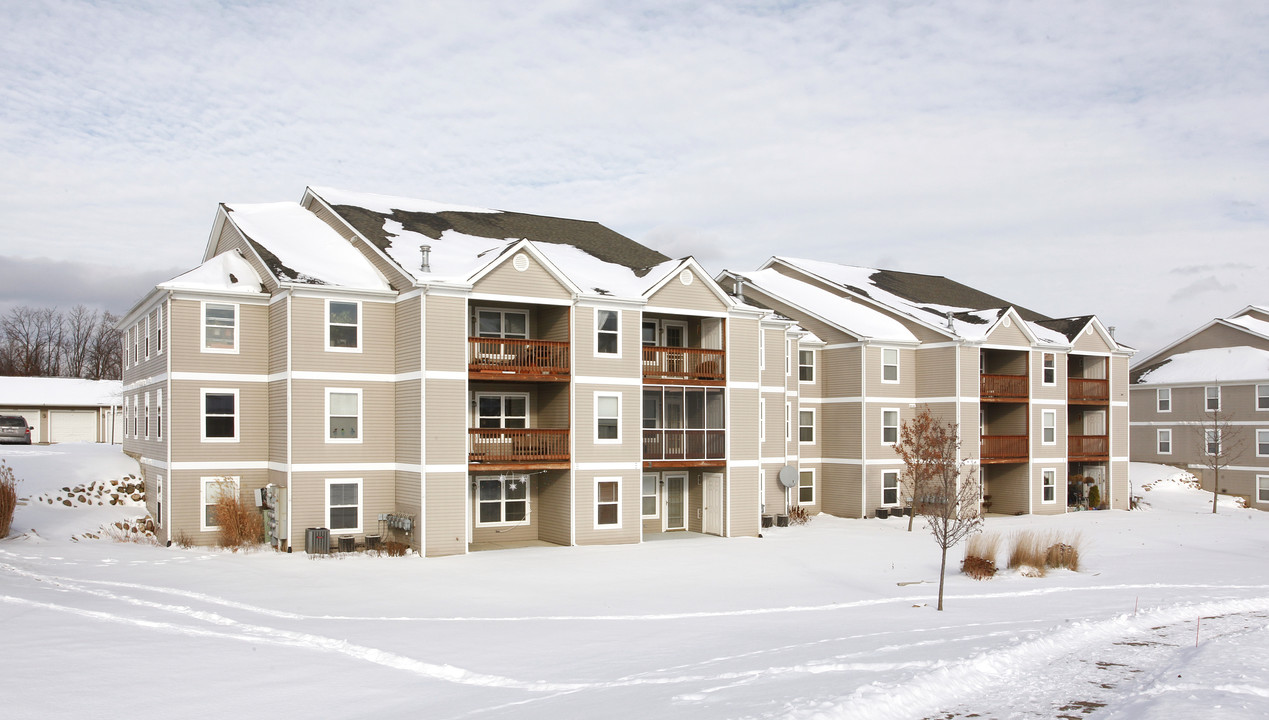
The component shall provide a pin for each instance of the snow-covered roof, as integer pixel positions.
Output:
(58, 392)
(1210, 365)
(226, 272)
(1256, 325)
(299, 248)
(845, 313)
(465, 240)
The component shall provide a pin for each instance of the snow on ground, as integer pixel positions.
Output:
(831, 620)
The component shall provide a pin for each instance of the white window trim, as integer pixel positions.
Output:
(1259, 395)
(361, 506)
(800, 366)
(528, 410)
(158, 501)
(360, 323)
(502, 502)
(1044, 358)
(158, 429)
(145, 324)
(897, 369)
(1159, 399)
(127, 409)
(800, 426)
(788, 421)
(1260, 442)
(898, 423)
(202, 498)
(762, 420)
(158, 332)
(202, 327)
(1218, 398)
(656, 495)
(202, 415)
(1045, 424)
(1210, 436)
(595, 518)
(1262, 488)
(1159, 439)
(146, 414)
(1048, 480)
(898, 499)
(596, 332)
(361, 421)
(595, 426)
(814, 494)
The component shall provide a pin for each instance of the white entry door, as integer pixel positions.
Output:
(675, 502)
(713, 510)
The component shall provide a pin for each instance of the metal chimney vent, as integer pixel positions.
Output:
(426, 252)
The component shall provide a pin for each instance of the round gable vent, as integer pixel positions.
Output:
(521, 262)
(1006, 322)
(685, 277)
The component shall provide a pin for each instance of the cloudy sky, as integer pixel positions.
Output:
(1073, 157)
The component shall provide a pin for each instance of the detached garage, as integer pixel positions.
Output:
(65, 409)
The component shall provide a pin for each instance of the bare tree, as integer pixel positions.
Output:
(1220, 440)
(105, 352)
(79, 326)
(32, 340)
(919, 457)
(946, 489)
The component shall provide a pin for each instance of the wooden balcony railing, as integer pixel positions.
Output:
(684, 444)
(1004, 387)
(529, 445)
(1087, 390)
(689, 364)
(1082, 447)
(1004, 448)
(506, 356)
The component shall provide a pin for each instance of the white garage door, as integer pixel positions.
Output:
(32, 416)
(73, 425)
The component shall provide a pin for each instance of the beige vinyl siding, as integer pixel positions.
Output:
(150, 446)
(184, 501)
(446, 328)
(773, 350)
(1118, 372)
(1008, 335)
(1008, 487)
(695, 501)
(1121, 487)
(742, 350)
(446, 529)
(553, 510)
(408, 422)
(872, 473)
(840, 488)
(185, 423)
(389, 269)
(277, 421)
(156, 363)
(408, 334)
(510, 532)
(548, 402)
(841, 374)
(1117, 424)
(230, 239)
(841, 439)
(308, 502)
(631, 489)
(742, 428)
(408, 487)
(252, 357)
(872, 418)
(1217, 336)
(742, 486)
(697, 296)
(535, 281)
(1037, 489)
(1011, 419)
(1090, 340)
(935, 372)
(278, 331)
(971, 383)
(905, 388)
(446, 426)
(309, 334)
(814, 389)
(587, 363)
(376, 428)
(630, 448)
(1038, 448)
(1056, 391)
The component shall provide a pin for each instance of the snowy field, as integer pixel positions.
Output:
(1168, 618)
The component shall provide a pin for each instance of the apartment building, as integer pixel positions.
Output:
(1217, 374)
(458, 378)
(1041, 403)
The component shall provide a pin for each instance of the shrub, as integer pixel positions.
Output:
(1064, 552)
(798, 515)
(183, 540)
(395, 549)
(240, 526)
(978, 568)
(1029, 554)
(980, 556)
(8, 498)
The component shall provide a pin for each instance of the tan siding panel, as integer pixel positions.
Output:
(446, 329)
(446, 513)
(935, 372)
(1090, 340)
(1008, 335)
(446, 427)
(535, 281)
(742, 350)
(408, 333)
(408, 425)
(630, 531)
(186, 423)
(697, 296)
(309, 436)
(232, 240)
(277, 421)
(554, 507)
(309, 336)
(253, 341)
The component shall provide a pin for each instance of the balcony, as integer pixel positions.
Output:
(508, 449)
(686, 366)
(1003, 449)
(686, 447)
(1083, 448)
(515, 359)
(1003, 388)
(1087, 390)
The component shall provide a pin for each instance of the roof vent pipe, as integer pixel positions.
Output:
(426, 264)
(949, 320)
(740, 289)
(1111, 329)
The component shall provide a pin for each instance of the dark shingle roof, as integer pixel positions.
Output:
(938, 290)
(1070, 327)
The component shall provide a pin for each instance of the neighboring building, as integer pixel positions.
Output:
(1041, 403)
(453, 378)
(1220, 371)
(65, 409)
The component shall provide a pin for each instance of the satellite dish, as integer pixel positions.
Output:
(788, 476)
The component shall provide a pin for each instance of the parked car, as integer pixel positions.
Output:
(14, 429)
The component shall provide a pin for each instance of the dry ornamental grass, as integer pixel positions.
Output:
(8, 498)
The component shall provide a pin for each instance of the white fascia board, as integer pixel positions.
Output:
(141, 308)
(609, 301)
(213, 296)
(446, 289)
(325, 291)
(217, 223)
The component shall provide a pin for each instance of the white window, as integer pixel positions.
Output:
(1048, 427)
(343, 325)
(136, 343)
(1163, 399)
(607, 417)
(1213, 398)
(651, 498)
(1212, 441)
(127, 417)
(608, 332)
(145, 332)
(1164, 439)
(158, 331)
(1262, 443)
(806, 426)
(147, 416)
(788, 421)
(806, 487)
(136, 416)
(762, 420)
(343, 505)
(1048, 486)
(1049, 369)
(806, 366)
(607, 503)
(343, 415)
(220, 327)
(212, 490)
(1262, 397)
(492, 323)
(889, 365)
(158, 500)
(889, 426)
(1262, 488)
(890, 487)
(510, 411)
(503, 500)
(158, 420)
(220, 415)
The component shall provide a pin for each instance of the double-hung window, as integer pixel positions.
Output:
(889, 426)
(889, 365)
(1048, 427)
(650, 505)
(1212, 398)
(343, 325)
(1262, 443)
(146, 415)
(806, 366)
(211, 492)
(1262, 397)
(158, 420)
(806, 426)
(220, 327)
(806, 487)
(607, 417)
(503, 500)
(158, 331)
(607, 332)
(1048, 486)
(145, 333)
(343, 415)
(1163, 399)
(1164, 440)
(220, 415)
(343, 505)
(1212, 441)
(890, 487)
(1262, 488)
(1049, 369)
(607, 503)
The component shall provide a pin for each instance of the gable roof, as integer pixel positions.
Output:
(227, 272)
(1224, 364)
(1240, 321)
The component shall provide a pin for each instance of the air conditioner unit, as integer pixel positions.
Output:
(347, 543)
(317, 541)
